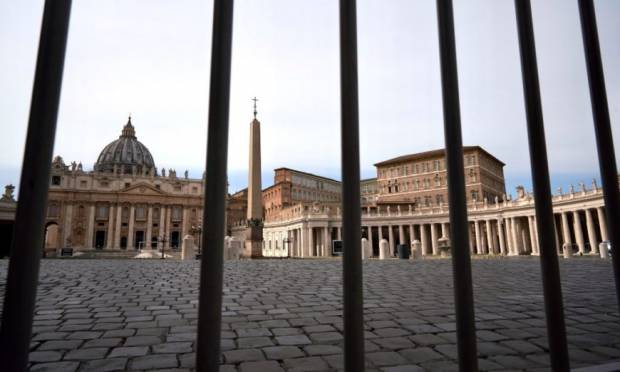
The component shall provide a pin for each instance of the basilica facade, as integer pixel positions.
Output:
(124, 203)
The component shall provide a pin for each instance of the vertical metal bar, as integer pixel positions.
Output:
(351, 210)
(214, 221)
(461, 262)
(552, 289)
(602, 129)
(23, 272)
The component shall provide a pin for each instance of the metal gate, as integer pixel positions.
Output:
(23, 270)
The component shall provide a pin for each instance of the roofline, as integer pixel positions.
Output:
(307, 173)
(425, 154)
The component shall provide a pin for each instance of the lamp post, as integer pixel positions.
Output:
(197, 229)
(162, 239)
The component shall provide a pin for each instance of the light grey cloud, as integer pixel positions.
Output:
(151, 58)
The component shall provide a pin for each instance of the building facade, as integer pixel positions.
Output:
(421, 179)
(124, 203)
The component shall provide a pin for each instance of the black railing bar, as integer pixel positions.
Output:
(23, 271)
(552, 288)
(351, 209)
(602, 130)
(461, 261)
(214, 209)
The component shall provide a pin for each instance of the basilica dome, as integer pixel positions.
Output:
(126, 155)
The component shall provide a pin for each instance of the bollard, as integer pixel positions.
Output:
(364, 248)
(603, 250)
(416, 250)
(187, 248)
(384, 249)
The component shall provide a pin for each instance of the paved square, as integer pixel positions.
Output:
(285, 315)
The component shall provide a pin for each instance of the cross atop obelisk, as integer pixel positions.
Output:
(255, 112)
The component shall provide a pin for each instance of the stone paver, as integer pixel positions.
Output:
(286, 315)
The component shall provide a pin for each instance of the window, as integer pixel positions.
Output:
(472, 175)
(83, 184)
(439, 199)
(474, 195)
(437, 180)
(194, 189)
(158, 187)
(102, 212)
(53, 210)
(436, 165)
(177, 213)
(127, 184)
(140, 213)
(56, 180)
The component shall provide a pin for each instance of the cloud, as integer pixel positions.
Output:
(152, 59)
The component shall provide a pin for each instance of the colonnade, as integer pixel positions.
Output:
(508, 234)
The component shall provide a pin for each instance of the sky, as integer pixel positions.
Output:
(151, 58)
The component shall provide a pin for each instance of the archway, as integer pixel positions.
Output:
(52, 236)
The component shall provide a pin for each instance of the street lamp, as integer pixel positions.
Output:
(162, 239)
(197, 229)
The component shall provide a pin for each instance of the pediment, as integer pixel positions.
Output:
(142, 189)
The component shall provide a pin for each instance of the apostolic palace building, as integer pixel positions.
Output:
(126, 204)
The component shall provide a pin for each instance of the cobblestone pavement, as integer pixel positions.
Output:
(108, 315)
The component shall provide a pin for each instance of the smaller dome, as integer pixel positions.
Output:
(126, 154)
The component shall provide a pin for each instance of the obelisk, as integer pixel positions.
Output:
(254, 231)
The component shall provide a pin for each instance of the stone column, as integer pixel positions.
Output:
(149, 226)
(91, 228)
(380, 232)
(311, 242)
(168, 223)
(401, 235)
(478, 237)
(302, 242)
(162, 225)
(110, 233)
(132, 214)
(508, 226)
(391, 238)
(424, 239)
(530, 220)
(565, 230)
(602, 222)
(444, 230)
(434, 239)
(66, 231)
(500, 231)
(117, 229)
(591, 232)
(490, 241)
(516, 246)
(327, 238)
(370, 240)
(557, 237)
(578, 233)
(536, 235)
(186, 223)
(412, 236)
(339, 233)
